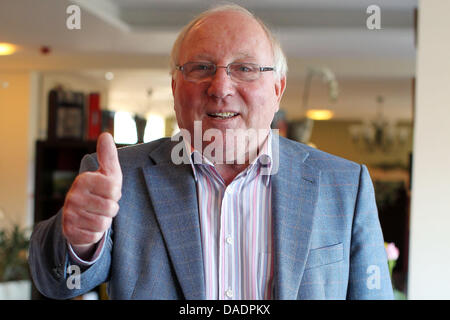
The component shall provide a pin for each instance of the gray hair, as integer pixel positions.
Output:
(278, 54)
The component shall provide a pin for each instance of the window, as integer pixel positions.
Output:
(124, 128)
(155, 128)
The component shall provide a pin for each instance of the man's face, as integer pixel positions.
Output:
(224, 38)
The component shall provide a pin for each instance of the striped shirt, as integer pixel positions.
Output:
(236, 228)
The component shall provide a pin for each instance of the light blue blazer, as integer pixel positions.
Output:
(327, 238)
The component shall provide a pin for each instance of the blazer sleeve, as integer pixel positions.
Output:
(369, 274)
(52, 269)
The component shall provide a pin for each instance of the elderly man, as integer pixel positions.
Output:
(263, 218)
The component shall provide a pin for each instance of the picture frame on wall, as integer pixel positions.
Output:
(66, 115)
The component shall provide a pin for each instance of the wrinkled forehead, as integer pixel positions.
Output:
(232, 35)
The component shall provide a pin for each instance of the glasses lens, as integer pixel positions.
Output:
(244, 71)
(198, 70)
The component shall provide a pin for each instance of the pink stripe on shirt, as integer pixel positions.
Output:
(236, 230)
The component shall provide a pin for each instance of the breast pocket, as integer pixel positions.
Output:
(325, 255)
(325, 274)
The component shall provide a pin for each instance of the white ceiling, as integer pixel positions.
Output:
(138, 34)
(306, 28)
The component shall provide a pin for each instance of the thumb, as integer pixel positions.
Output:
(107, 155)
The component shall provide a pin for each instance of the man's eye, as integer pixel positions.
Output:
(200, 67)
(245, 68)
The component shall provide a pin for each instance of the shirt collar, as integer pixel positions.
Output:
(264, 159)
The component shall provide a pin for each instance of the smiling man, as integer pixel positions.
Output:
(286, 222)
(227, 79)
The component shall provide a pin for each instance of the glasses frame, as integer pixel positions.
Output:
(227, 69)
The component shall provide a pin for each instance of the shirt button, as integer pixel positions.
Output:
(229, 240)
(229, 293)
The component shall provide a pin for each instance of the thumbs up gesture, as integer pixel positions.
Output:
(92, 200)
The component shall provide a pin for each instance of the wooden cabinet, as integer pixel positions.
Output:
(57, 164)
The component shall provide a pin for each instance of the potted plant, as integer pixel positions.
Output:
(392, 256)
(14, 273)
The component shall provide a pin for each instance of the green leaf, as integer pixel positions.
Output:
(13, 254)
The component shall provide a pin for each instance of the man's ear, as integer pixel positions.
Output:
(280, 86)
(173, 86)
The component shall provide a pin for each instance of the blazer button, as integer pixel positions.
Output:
(57, 272)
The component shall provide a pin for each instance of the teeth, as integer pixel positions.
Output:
(223, 114)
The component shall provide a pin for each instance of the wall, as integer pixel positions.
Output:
(14, 141)
(23, 120)
(333, 136)
(72, 81)
(429, 276)
(357, 97)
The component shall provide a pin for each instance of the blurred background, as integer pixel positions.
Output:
(367, 83)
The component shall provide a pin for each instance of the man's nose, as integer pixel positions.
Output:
(221, 84)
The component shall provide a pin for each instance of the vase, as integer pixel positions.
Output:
(15, 290)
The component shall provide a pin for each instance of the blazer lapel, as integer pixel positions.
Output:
(294, 196)
(174, 198)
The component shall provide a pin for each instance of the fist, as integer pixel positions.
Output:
(92, 200)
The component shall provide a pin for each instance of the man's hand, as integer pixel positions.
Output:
(92, 201)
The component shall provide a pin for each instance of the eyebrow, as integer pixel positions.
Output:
(240, 56)
(245, 56)
(202, 56)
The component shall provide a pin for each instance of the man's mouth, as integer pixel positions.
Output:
(223, 115)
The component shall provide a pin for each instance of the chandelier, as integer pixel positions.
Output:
(379, 133)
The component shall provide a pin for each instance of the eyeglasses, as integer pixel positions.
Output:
(239, 71)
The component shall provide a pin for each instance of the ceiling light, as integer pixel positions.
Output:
(109, 76)
(7, 49)
(329, 79)
(316, 114)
